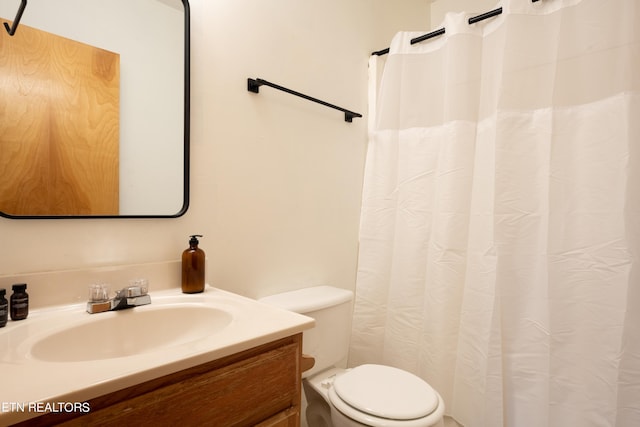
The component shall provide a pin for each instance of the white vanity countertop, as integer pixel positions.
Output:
(31, 384)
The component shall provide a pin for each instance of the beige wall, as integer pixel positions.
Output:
(276, 180)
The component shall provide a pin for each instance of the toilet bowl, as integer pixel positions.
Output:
(371, 395)
(366, 395)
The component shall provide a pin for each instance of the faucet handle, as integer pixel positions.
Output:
(98, 292)
(137, 288)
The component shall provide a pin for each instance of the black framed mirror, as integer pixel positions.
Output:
(94, 109)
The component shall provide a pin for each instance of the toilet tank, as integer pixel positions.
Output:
(330, 307)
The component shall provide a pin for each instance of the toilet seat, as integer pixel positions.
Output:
(378, 395)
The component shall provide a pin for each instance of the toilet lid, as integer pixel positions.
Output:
(386, 392)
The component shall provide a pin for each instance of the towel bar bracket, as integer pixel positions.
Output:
(253, 86)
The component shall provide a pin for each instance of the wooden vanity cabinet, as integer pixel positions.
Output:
(257, 387)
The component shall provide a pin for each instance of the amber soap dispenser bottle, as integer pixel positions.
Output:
(193, 262)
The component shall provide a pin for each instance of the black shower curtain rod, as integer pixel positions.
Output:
(253, 85)
(441, 31)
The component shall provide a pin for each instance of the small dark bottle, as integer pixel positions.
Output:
(4, 308)
(193, 260)
(19, 302)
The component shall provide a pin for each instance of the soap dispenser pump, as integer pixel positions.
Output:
(193, 263)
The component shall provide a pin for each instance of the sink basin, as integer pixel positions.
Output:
(130, 332)
(65, 354)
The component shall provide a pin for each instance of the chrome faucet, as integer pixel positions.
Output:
(129, 297)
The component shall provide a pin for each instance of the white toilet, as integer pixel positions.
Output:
(367, 395)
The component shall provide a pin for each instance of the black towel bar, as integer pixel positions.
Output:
(253, 85)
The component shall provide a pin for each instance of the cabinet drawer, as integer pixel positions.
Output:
(242, 393)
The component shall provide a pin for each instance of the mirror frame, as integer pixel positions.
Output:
(186, 144)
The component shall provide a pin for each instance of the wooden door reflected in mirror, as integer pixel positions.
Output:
(94, 117)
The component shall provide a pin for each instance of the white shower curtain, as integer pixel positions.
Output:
(500, 230)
